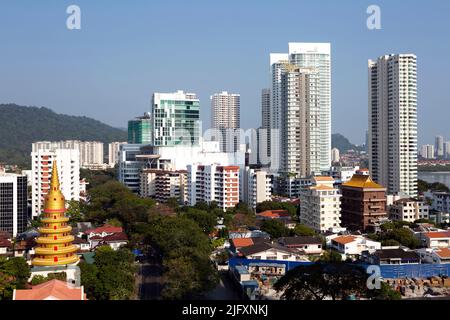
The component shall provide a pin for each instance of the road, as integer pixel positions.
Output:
(149, 279)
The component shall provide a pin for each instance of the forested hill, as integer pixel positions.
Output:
(21, 126)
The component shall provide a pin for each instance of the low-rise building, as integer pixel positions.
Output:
(352, 245)
(437, 239)
(51, 290)
(393, 256)
(279, 215)
(115, 241)
(271, 251)
(437, 256)
(408, 210)
(304, 244)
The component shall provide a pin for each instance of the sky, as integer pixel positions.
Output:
(126, 50)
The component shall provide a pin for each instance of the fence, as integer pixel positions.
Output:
(387, 271)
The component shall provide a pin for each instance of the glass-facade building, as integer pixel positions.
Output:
(140, 130)
(176, 119)
(13, 203)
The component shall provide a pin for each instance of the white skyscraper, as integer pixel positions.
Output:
(316, 57)
(427, 151)
(393, 122)
(68, 161)
(225, 117)
(447, 150)
(439, 146)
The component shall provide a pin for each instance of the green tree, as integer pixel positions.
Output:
(205, 220)
(275, 228)
(173, 203)
(14, 274)
(303, 230)
(188, 271)
(384, 293)
(111, 277)
(331, 256)
(114, 222)
(321, 281)
(74, 211)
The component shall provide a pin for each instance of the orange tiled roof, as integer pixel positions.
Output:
(274, 214)
(438, 234)
(443, 253)
(105, 228)
(344, 239)
(321, 187)
(54, 289)
(324, 178)
(242, 242)
(362, 181)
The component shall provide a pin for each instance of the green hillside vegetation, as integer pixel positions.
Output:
(21, 126)
(343, 144)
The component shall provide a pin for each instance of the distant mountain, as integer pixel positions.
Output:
(343, 144)
(21, 126)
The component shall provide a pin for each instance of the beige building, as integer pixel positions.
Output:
(164, 184)
(320, 205)
(408, 210)
(90, 152)
(225, 118)
(256, 186)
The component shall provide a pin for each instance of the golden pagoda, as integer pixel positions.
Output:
(54, 245)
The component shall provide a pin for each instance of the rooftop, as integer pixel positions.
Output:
(362, 181)
(396, 254)
(438, 234)
(344, 239)
(292, 241)
(106, 229)
(51, 290)
(274, 214)
(443, 253)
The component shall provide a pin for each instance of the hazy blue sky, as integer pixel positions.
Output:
(128, 49)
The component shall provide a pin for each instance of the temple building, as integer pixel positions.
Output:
(363, 203)
(54, 245)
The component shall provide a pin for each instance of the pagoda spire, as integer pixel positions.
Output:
(54, 245)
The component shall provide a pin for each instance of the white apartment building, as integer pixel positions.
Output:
(317, 58)
(113, 153)
(225, 119)
(393, 122)
(320, 205)
(256, 186)
(90, 152)
(440, 201)
(68, 164)
(408, 210)
(427, 151)
(213, 183)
